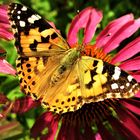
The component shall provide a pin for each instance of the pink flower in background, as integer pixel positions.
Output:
(89, 121)
(5, 33)
(112, 118)
(4, 24)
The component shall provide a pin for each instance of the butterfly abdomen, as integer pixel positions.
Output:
(66, 63)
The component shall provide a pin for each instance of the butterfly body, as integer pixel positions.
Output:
(61, 76)
(66, 64)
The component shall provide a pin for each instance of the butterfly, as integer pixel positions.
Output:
(60, 76)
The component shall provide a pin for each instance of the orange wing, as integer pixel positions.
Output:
(34, 35)
(36, 42)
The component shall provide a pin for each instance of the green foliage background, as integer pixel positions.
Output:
(61, 12)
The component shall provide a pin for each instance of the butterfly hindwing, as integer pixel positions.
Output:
(101, 80)
(89, 80)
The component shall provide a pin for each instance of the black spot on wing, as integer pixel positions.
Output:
(110, 69)
(45, 39)
(92, 74)
(15, 10)
(42, 24)
(95, 63)
(54, 35)
(33, 46)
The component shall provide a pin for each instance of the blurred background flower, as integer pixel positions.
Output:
(110, 119)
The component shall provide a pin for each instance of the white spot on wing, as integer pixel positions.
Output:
(33, 18)
(127, 84)
(30, 20)
(117, 73)
(18, 17)
(129, 78)
(39, 17)
(114, 86)
(15, 6)
(24, 8)
(121, 87)
(12, 11)
(19, 12)
(22, 23)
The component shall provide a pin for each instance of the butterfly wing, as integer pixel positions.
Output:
(101, 80)
(34, 35)
(41, 49)
(36, 42)
(88, 80)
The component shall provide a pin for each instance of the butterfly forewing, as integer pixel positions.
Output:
(36, 40)
(61, 77)
(34, 35)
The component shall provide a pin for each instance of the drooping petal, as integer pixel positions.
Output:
(105, 134)
(128, 51)
(84, 20)
(5, 67)
(94, 18)
(4, 33)
(132, 104)
(4, 24)
(133, 64)
(116, 32)
(23, 105)
(98, 137)
(112, 28)
(3, 7)
(74, 133)
(46, 120)
(3, 14)
(129, 121)
(68, 133)
(120, 129)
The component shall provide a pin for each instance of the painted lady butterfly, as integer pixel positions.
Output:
(60, 76)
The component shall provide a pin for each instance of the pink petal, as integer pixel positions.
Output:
(83, 20)
(138, 95)
(24, 104)
(136, 75)
(120, 129)
(3, 14)
(70, 132)
(5, 67)
(3, 7)
(5, 25)
(94, 19)
(98, 137)
(112, 36)
(133, 64)
(128, 51)
(132, 104)
(129, 121)
(46, 120)
(53, 25)
(6, 34)
(105, 134)
(111, 29)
